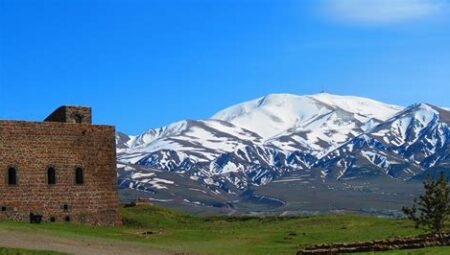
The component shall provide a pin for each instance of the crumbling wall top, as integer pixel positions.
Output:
(71, 114)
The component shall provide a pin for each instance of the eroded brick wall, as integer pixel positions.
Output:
(33, 147)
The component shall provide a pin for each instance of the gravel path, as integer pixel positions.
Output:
(79, 245)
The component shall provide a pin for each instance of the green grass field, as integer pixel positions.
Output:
(5, 251)
(178, 232)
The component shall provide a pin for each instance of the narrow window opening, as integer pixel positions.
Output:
(12, 176)
(52, 219)
(51, 176)
(35, 218)
(3, 208)
(67, 219)
(66, 207)
(78, 117)
(79, 176)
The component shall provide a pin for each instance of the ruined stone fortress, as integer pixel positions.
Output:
(60, 170)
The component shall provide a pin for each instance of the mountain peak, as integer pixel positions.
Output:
(422, 106)
(274, 114)
(419, 110)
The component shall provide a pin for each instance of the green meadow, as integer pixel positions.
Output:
(172, 231)
(5, 251)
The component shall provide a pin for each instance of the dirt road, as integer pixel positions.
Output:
(79, 245)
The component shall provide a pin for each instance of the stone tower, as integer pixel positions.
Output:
(59, 170)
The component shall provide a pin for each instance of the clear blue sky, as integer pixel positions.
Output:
(144, 64)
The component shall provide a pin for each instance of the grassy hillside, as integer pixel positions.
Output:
(169, 230)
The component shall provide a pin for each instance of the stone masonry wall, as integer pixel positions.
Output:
(33, 147)
(70, 114)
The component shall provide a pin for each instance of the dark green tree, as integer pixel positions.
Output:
(431, 211)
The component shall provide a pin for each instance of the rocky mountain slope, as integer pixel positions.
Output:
(333, 138)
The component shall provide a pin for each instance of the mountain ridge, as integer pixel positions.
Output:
(269, 138)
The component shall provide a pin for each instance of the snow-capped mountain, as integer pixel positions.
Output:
(200, 141)
(415, 139)
(310, 123)
(256, 142)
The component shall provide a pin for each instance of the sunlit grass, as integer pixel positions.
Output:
(169, 230)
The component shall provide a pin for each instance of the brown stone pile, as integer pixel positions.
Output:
(380, 245)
